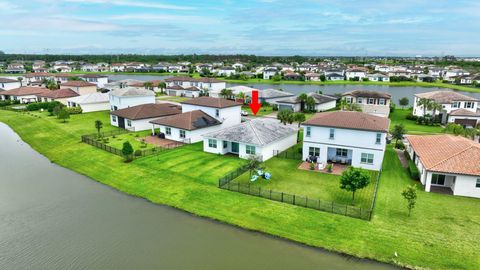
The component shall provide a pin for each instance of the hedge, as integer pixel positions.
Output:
(74, 110)
(413, 170)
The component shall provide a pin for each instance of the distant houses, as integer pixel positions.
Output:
(24, 94)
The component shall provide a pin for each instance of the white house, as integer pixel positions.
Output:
(90, 102)
(138, 117)
(98, 80)
(9, 84)
(225, 71)
(273, 95)
(177, 90)
(450, 102)
(38, 77)
(62, 68)
(260, 137)
(129, 97)
(372, 102)
(312, 77)
(322, 103)
(25, 94)
(207, 84)
(225, 111)
(268, 73)
(355, 74)
(89, 68)
(335, 77)
(117, 67)
(451, 74)
(378, 77)
(447, 163)
(353, 138)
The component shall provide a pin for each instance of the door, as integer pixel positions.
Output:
(235, 147)
(121, 122)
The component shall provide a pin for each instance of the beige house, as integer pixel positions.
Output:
(60, 95)
(371, 102)
(81, 87)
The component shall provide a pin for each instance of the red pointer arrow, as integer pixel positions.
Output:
(254, 105)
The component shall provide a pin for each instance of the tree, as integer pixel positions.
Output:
(253, 163)
(435, 107)
(425, 103)
(20, 79)
(148, 85)
(63, 114)
(285, 116)
(398, 132)
(226, 93)
(241, 96)
(98, 126)
(56, 110)
(410, 194)
(310, 103)
(162, 86)
(345, 106)
(299, 117)
(403, 102)
(353, 179)
(302, 98)
(127, 151)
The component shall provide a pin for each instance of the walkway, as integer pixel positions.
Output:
(402, 158)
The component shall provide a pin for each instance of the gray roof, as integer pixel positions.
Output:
(132, 91)
(257, 132)
(319, 99)
(273, 93)
(90, 98)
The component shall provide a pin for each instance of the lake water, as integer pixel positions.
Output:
(397, 92)
(53, 218)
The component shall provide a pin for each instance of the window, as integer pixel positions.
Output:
(332, 134)
(114, 118)
(438, 179)
(477, 185)
(342, 152)
(359, 100)
(371, 101)
(381, 101)
(225, 144)
(468, 105)
(217, 112)
(168, 131)
(250, 149)
(129, 122)
(309, 131)
(379, 138)
(348, 100)
(314, 151)
(366, 158)
(212, 143)
(456, 104)
(182, 134)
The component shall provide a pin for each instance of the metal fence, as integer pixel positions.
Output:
(326, 206)
(290, 153)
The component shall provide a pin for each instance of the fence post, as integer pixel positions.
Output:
(293, 199)
(332, 207)
(270, 194)
(282, 196)
(346, 209)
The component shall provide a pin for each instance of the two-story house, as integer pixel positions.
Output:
(353, 138)
(268, 73)
(129, 97)
(355, 74)
(371, 102)
(207, 84)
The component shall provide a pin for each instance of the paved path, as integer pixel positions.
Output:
(402, 158)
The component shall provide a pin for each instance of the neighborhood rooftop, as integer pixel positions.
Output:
(146, 111)
(211, 102)
(444, 97)
(132, 91)
(319, 99)
(77, 84)
(59, 93)
(447, 153)
(26, 91)
(191, 120)
(7, 80)
(273, 93)
(90, 98)
(258, 132)
(350, 120)
(367, 94)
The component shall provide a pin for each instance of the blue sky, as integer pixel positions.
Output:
(264, 27)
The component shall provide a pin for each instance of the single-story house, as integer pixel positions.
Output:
(273, 95)
(9, 84)
(259, 137)
(378, 77)
(187, 127)
(81, 87)
(25, 94)
(322, 103)
(312, 77)
(138, 117)
(187, 91)
(90, 102)
(60, 95)
(447, 163)
(335, 77)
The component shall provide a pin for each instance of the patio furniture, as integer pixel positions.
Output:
(267, 176)
(254, 178)
(259, 172)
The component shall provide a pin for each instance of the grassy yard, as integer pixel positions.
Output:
(287, 178)
(264, 110)
(399, 117)
(172, 98)
(441, 234)
(134, 139)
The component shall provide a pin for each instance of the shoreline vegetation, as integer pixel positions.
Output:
(186, 178)
(262, 81)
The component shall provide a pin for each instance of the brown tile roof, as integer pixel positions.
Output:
(350, 120)
(367, 94)
(212, 102)
(190, 79)
(447, 153)
(26, 91)
(192, 120)
(38, 74)
(78, 84)
(146, 111)
(7, 80)
(155, 83)
(93, 76)
(445, 97)
(60, 93)
(64, 75)
(464, 112)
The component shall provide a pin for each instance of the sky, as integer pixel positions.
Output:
(262, 27)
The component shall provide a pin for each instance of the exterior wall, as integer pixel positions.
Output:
(280, 145)
(10, 85)
(374, 109)
(25, 99)
(100, 82)
(129, 101)
(138, 125)
(357, 141)
(267, 75)
(228, 116)
(193, 135)
(359, 75)
(418, 110)
(465, 186)
(326, 106)
(452, 118)
(91, 107)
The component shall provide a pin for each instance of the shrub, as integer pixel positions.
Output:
(405, 153)
(413, 170)
(74, 110)
(312, 166)
(411, 117)
(400, 145)
(138, 152)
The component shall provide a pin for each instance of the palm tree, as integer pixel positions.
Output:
(98, 126)
(425, 103)
(20, 79)
(148, 85)
(310, 102)
(435, 107)
(302, 98)
(162, 86)
(226, 93)
(285, 116)
(241, 96)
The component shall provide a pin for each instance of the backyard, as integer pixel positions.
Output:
(135, 140)
(399, 117)
(442, 232)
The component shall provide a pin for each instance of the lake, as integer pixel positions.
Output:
(397, 92)
(54, 218)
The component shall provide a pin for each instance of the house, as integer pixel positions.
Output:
(38, 64)
(464, 79)
(451, 74)
(9, 84)
(235, 91)
(154, 85)
(90, 102)
(399, 73)
(117, 67)
(62, 77)
(207, 84)
(225, 71)
(25, 94)
(38, 77)
(382, 68)
(378, 77)
(355, 74)
(81, 87)
(89, 68)
(122, 84)
(260, 137)
(273, 95)
(322, 103)
(450, 102)
(177, 90)
(447, 164)
(129, 97)
(371, 102)
(60, 95)
(292, 76)
(268, 73)
(312, 77)
(199, 116)
(99, 80)
(435, 72)
(336, 72)
(347, 137)
(465, 118)
(138, 117)
(62, 68)
(238, 66)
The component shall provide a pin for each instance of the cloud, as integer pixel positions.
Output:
(163, 17)
(132, 3)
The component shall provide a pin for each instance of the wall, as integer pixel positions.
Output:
(465, 186)
(130, 101)
(326, 106)
(10, 86)
(193, 135)
(228, 116)
(94, 107)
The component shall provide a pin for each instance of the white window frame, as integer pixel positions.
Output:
(182, 133)
(225, 144)
(435, 179)
(314, 150)
(367, 158)
(468, 105)
(217, 113)
(250, 150)
(168, 130)
(129, 122)
(114, 118)
(308, 132)
(331, 136)
(371, 101)
(341, 152)
(477, 184)
(456, 104)
(212, 143)
(382, 101)
(348, 99)
(360, 100)
(378, 139)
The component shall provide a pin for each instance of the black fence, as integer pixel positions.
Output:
(291, 153)
(97, 140)
(298, 200)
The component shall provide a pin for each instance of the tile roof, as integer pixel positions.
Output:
(273, 93)
(78, 84)
(319, 99)
(367, 94)
(445, 97)
(26, 91)
(212, 102)
(60, 93)
(190, 79)
(132, 91)
(447, 153)
(7, 80)
(350, 120)
(464, 112)
(90, 98)
(38, 74)
(191, 120)
(146, 111)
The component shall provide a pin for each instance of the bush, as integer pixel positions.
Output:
(405, 153)
(74, 110)
(400, 145)
(411, 117)
(43, 105)
(138, 152)
(392, 107)
(413, 170)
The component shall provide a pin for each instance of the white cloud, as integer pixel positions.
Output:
(131, 3)
(163, 18)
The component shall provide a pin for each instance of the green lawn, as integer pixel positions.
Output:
(287, 178)
(443, 232)
(133, 138)
(264, 110)
(172, 98)
(399, 117)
